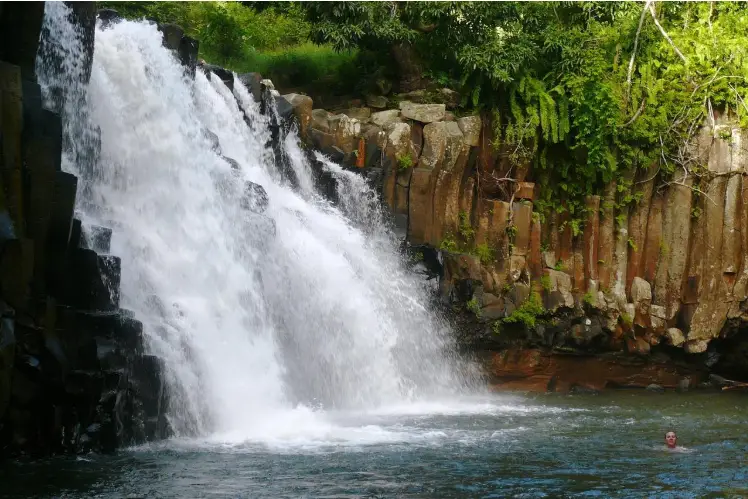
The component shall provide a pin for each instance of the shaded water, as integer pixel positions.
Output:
(508, 446)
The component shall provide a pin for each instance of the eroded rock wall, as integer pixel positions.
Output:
(670, 270)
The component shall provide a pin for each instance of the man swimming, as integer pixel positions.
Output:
(671, 440)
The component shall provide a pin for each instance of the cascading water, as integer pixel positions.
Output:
(266, 322)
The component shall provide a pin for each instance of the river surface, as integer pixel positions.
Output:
(507, 446)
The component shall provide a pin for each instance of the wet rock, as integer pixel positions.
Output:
(98, 239)
(215, 143)
(655, 388)
(255, 198)
(187, 52)
(253, 83)
(425, 113)
(583, 390)
(684, 384)
(302, 110)
(108, 17)
(172, 35)
(226, 76)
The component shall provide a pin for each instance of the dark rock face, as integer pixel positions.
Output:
(252, 82)
(226, 76)
(73, 373)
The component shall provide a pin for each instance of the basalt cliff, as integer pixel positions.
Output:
(653, 294)
(650, 294)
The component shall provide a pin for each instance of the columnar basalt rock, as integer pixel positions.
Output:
(70, 376)
(666, 271)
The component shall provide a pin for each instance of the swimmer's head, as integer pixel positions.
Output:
(671, 439)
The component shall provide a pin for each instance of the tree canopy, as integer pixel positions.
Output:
(585, 91)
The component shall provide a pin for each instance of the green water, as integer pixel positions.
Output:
(610, 445)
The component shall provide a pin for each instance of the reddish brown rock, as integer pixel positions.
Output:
(713, 300)
(525, 190)
(537, 371)
(466, 197)
(492, 222)
(591, 238)
(402, 186)
(522, 219)
(459, 267)
(579, 283)
(302, 110)
(606, 243)
(638, 219)
(740, 290)
(420, 206)
(731, 232)
(361, 153)
(653, 247)
(534, 258)
(565, 242)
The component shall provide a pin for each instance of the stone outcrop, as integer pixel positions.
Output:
(669, 273)
(73, 373)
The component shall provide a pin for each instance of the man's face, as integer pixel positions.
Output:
(670, 439)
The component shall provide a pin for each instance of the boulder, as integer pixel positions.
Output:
(108, 17)
(172, 35)
(559, 286)
(398, 140)
(696, 346)
(425, 113)
(376, 101)
(675, 336)
(450, 98)
(346, 132)
(442, 144)
(360, 113)
(471, 127)
(302, 110)
(382, 118)
(320, 120)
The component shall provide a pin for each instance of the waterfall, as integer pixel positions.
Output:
(269, 307)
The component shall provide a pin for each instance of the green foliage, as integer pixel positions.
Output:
(589, 299)
(556, 78)
(271, 39)
(466, 229)
(404, 162)
(545, 282)
(449, 244)
(485, 253)
(496, 327)
(474, 306)
(627, 319)
(528, 312)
